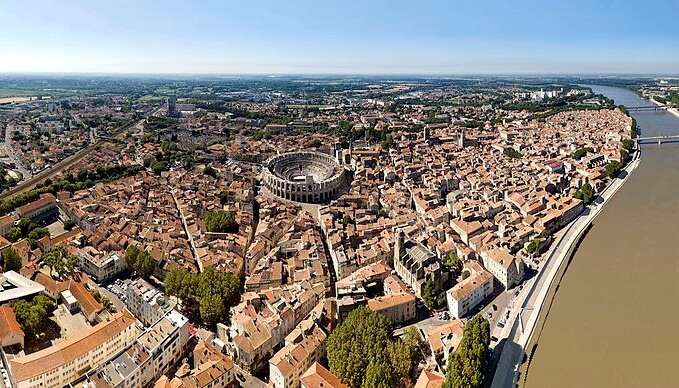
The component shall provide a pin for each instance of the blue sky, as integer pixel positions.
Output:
(327, 36)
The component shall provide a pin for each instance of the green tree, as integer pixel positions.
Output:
(11, 260)
(69, 224)
(211, 308)
(45, 302)
(145, 264)
(432, 295)
(103, 299)
(131, 254)
(210, 171)
(534, 246)
(174, 281)
(453, 265)
(346, 219)
(401, 360)
(580, 152)
(585, 193)
(360, 339)
(209, 295)
(612, 168)
(467, 366)
(428, 294)
(32, 315)
(628, 144)
(38, 233)
(25, 224)
(140, 261)
(220, 222)
(412, 339)
(29, 316)
(60, 260)
(157, 166)
(388, 143)
(512, 153)
(14, 234)
(378, 374)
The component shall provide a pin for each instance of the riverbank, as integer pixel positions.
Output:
(534, 296)
(610, 324)
(673, 111)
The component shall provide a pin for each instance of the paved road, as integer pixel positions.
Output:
(522, 321)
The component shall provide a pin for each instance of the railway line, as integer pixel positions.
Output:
(63, 165)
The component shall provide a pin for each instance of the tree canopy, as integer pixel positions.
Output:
(33, 315)
(220, 222)
(512, 153)
(139, 260)
(157, 166)
(581, 152)
(534, 246)
(11, 260)
(585, 193)
(453, 265)
(467, 366)
(58, 259)
(210, 171)
(208, 295)
(433, 296)
(362, 353)
(612, 168)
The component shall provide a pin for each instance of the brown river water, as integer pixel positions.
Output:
(614, 321)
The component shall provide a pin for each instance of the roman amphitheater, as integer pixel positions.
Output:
(304, 176)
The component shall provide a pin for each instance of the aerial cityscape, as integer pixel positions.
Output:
(177, 217)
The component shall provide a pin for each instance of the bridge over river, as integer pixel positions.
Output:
(657, 139)
(646, 108)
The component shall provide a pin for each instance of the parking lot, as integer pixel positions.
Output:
(115, 292)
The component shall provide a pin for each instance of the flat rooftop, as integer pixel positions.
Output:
(15, 286)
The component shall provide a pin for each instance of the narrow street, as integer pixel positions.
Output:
(194, 251)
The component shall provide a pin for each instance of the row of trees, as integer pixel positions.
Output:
(672, 99)
(467, 367)
(206, 296)
(84, 179)
(363, 354)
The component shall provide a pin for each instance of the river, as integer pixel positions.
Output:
(614, 321)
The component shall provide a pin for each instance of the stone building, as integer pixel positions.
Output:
(416, 264)
(304, 176)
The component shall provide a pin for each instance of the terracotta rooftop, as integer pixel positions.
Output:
(64, 352)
